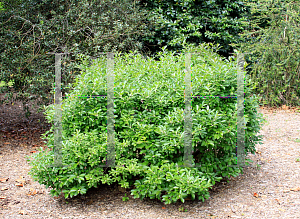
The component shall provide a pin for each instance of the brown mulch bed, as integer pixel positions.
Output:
(269, 187)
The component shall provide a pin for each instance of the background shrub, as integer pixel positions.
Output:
(32, 28)
(179, 22)
(149, 127)
(272, 46)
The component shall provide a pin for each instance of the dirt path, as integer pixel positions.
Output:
(269, 191)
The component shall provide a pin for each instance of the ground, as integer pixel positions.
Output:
(269, 188)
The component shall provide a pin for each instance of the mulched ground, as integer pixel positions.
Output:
(269, 188)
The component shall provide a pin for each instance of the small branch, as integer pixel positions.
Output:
(16, 16)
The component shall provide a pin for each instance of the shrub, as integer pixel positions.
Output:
(149, 128)
(178, 22)
(272, 43)
(32, 28)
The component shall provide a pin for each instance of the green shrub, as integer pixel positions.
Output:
(32, 28)
(149, 128)
(272, 43)
(178, 22)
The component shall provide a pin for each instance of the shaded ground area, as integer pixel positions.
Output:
(18, 129)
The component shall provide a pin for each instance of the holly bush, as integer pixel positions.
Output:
(176, 22)
(149, 127)
(32, 28)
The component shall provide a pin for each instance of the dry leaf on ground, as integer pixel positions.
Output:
(3, 179)
(32, 192)
(22, 212)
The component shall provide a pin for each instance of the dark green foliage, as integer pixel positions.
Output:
(31, 28)
(149, 128)
(177, 22)
(272, 43)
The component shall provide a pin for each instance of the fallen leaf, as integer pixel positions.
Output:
(284, 107)
(2, 197)
(121, 189)
(6, 143)
(4, 188)
(255, 195)
(32, 192)
(22, 212)
(296, 189)
(89, 202)
(163, 207)
(20, 185)
(21, 180)
(280, 209)
(3, 179)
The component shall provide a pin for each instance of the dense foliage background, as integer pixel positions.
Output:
(267, 30)
(272, 44)
(32, 28)
(179, 22)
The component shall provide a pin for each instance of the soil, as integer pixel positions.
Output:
(269, 187)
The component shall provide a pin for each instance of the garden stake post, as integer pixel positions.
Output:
(110, 157)
(240, 112)
(58, 114)
(188, 157)
(110, 162)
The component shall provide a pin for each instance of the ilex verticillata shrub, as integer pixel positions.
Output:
(149, 128)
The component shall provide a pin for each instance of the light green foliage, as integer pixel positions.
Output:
(125, 198)
(1, 6)
(149, 128)
(272, 43)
